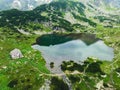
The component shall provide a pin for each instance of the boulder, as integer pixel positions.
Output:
(16, 53)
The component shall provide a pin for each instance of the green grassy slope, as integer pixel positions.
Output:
(21, 73)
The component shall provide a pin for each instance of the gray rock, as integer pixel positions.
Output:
(16, 53)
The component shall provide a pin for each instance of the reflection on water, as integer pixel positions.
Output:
(75, 50)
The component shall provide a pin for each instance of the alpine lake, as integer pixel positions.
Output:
(77, 47)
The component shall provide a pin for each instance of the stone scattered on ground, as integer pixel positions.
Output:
(16, 53)
(99, 85)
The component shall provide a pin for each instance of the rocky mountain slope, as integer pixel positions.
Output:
(110, 3)
(31, 4)
(65, 15)
(21, 4)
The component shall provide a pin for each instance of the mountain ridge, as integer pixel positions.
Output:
(31, 4)
(58, 15)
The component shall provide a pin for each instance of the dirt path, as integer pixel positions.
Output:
(61, 74)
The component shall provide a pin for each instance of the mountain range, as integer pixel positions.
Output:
(21, 4)
(31, 4)
(65, 15)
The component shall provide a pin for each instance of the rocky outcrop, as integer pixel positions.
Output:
(16, 53)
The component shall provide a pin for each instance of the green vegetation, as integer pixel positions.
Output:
(103, 18)
(30, 72)
(26, 72)
(85, 20)
(52, 65)
(47, 16)
(57, 38)
(23, 73)
(58, 84)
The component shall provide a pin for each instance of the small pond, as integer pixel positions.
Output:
(75, 47)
